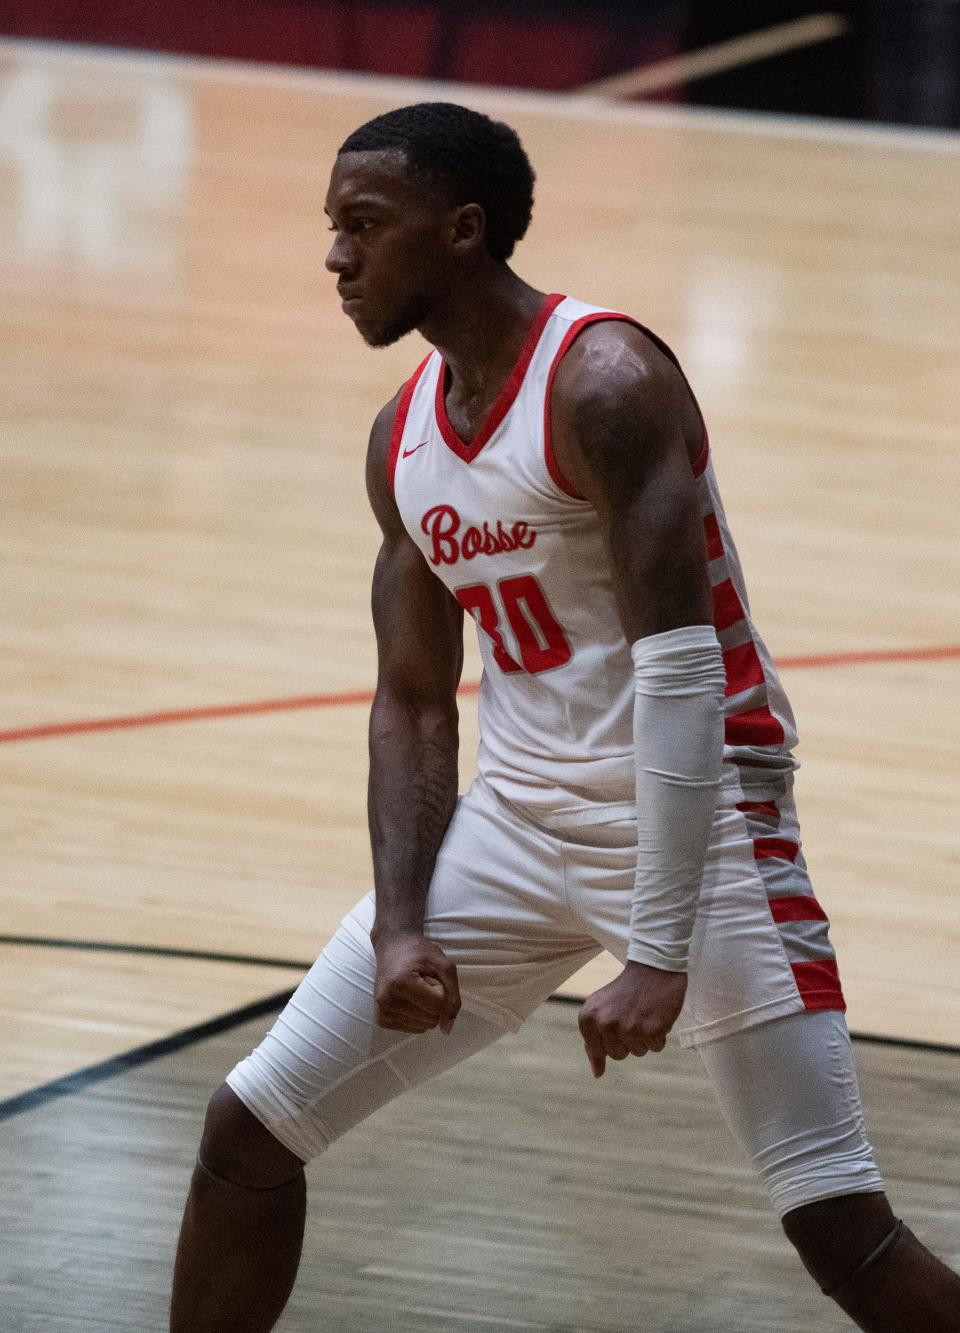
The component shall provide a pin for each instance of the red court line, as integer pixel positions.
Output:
(871, 655)
(366, 696)
(198, 714)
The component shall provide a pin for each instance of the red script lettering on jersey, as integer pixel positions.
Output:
(442, 525)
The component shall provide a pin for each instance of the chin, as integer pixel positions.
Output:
(389, 332)
(381, 337)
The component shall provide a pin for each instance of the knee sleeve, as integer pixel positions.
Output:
(219, 1179)
(788, 1092)
(840, 1290)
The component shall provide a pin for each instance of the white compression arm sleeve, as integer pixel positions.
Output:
(678, 734)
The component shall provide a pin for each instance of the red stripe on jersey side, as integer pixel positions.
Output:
(468, 450)
(743, 667)
(781, 848)
(799, 908)
(756, 727)
(819, 984)
(759, 808)
(711, 529)
(727, 607)
(400, 420)
(574, 331)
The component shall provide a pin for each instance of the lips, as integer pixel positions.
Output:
(348, 298)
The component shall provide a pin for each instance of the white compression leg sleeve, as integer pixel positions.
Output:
(678, 736)
(788, 1092)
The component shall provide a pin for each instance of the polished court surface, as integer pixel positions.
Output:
(513, 1195)
(186, 551)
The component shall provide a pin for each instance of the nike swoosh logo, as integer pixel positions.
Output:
(408, 452)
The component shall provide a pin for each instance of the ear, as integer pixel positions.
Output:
(469, 224)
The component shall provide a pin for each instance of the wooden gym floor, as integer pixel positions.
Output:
(185, 558)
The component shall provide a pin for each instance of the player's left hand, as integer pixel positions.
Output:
(632, 1015)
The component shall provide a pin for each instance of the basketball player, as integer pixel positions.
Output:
(546, 470)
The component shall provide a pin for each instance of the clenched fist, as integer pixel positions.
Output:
(632, 1015)
(416, 985)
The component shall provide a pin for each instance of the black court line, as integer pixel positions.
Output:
(118, 1064)
(85, 1078)
(304, 965)
(907, 1043)
(139, 1055)
(155, 951)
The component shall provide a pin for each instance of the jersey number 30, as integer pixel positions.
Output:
(541, 641)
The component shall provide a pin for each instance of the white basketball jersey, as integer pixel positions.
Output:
(497, 521)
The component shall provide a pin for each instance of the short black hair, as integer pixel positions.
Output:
(470, 158)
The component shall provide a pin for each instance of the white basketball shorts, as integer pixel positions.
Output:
(518, 908)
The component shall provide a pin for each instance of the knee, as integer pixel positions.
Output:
(834, 1236)
(236, 1147)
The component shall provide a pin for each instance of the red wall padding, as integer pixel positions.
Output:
(423, 38)
(527, 52)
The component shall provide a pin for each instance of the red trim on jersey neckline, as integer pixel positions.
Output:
(400, 420)
(468, 450)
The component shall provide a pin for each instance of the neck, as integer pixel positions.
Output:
(480, 329)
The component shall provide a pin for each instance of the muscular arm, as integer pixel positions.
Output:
(625, 433)
(413, 758)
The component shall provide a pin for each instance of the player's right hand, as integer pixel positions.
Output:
(416, 985)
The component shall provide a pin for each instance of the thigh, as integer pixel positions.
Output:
(788, 1092)
(325, 1065)
(496, 908)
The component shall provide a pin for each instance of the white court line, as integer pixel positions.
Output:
(720, 57)
(563, 106)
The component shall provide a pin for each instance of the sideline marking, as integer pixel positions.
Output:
(716, 59)
(345, 699)
(865, 656)
(198, 714)
(154, 951)
(84, 1078)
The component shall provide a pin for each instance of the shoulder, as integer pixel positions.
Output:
(388, 422)
(616, 386)
(381, 432)
(612, 360)
(377, 472)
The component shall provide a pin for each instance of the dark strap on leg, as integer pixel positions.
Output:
(252, 1189)
(893, 1237)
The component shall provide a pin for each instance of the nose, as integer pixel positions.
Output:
(340, 258)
